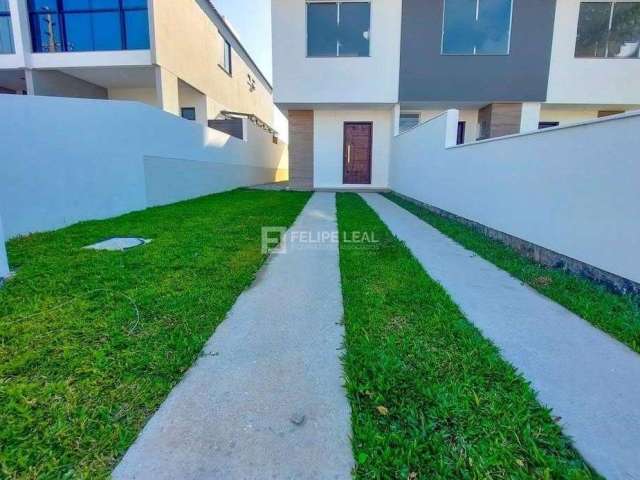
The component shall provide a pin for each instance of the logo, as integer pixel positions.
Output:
(274, 240)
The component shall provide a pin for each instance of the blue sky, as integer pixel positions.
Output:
(251, 19)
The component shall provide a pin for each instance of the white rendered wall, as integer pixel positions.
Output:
(566, 114)
(4, 264)
(587, 80)
(167, 91)
(530, 117)
(573, 190)
(328, 144)
(298, 79)
(144, 95)
(89, 160)
(123, 58)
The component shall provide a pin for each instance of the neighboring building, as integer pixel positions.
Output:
(352, 74)
(178, 55)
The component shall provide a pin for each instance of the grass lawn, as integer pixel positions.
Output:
(431, 398)
(92, 342)
(618, 315)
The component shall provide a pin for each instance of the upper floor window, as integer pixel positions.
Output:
(608, 30)
(338, 29)
(88, 25)
(6, 35)
(476, 27)
(225, 60)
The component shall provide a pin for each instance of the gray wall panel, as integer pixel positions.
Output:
(426, 75)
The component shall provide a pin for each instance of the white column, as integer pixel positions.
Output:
(396, 119)
(4, 264)
(20, 26)
(202, 114)
(28, 77)
(451, 134)
(530, 117)
(167, 91)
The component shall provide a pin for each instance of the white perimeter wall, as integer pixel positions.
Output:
(4, 265)
(587, 80)
(299, 79)
(65, 160)
(574, 189)
(328, 144)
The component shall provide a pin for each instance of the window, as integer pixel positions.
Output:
(608, 30)
(88, 25)
(408, 121)
(543, 125)
(462, 126)
(225, 61)
(188, 113)
(6, 33)
(338, 29)
(476, 27)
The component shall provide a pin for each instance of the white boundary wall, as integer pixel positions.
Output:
(572, 189)
(65, 160)
(4, 264)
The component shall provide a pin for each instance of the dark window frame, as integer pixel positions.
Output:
(7, 14)
(338, 3)
(612, 6)
(226, 49)
(60, 13)
(187, 116)
(543, 125)
(475, 54)
(460, 134)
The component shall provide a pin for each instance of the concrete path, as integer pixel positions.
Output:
(589, 379)
(266, 399)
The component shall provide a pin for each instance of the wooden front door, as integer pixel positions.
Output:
(358, 137)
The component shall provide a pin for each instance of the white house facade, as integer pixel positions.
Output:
(178, 55)
(352, 74)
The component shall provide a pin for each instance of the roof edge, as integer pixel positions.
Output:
(237, 40)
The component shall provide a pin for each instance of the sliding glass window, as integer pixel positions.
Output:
(6, 35)
(476, 27)
(608, 30)
(338, 29)
(88, 25)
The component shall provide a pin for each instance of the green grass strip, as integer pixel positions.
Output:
(430, 397)
(80, 373)
(618, 315)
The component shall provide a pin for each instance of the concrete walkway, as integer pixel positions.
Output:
(589, 379)
(266, 399)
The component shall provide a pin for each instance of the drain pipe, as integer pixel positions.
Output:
(4, 264)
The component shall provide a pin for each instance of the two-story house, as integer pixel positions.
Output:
(178, 55)
(352, 74)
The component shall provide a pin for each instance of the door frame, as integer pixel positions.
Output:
(344, 152)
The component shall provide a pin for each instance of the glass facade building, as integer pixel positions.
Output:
(88, 25)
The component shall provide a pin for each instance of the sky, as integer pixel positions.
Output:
(251, 20)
